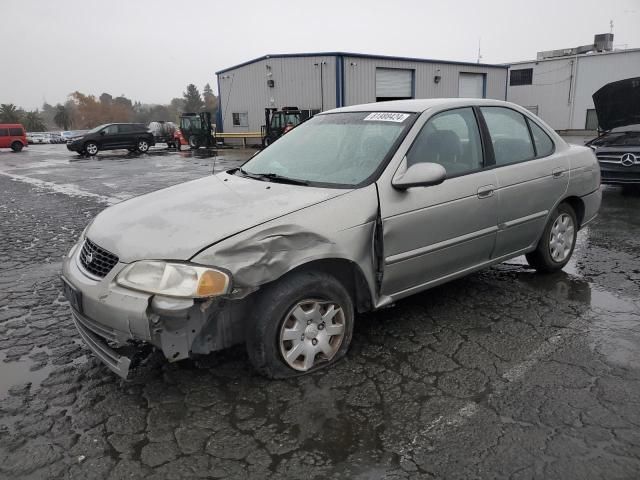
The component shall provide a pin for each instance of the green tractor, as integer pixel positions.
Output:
(197, 130)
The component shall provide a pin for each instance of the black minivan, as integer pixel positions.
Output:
(113, 136)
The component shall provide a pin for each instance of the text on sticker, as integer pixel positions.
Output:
(386, 117)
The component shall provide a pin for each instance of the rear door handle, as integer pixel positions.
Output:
(557, 172)
(486, 191)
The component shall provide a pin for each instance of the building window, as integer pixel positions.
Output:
(591, 122)
(240, 119)
(524, 76)
(533, 109)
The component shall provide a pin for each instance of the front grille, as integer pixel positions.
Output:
(96, 260)
(616, 157)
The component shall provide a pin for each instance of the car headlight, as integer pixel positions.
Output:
(174, 279)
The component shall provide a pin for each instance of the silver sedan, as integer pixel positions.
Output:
(349, 212)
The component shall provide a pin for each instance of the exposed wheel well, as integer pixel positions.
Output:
(347, 273)
(578, 206)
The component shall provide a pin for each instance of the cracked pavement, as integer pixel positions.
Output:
(503, 374)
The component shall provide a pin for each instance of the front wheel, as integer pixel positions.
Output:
(16, 146)
(300, 324)
(194, 142)
(558, 240)
(143, 146)
(91, 148)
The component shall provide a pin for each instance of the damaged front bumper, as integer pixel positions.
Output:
(108, 316)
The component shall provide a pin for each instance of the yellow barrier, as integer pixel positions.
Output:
(242, 135)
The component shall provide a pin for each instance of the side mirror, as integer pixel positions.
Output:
(102, 132)
(418, 175)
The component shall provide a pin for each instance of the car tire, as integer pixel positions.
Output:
(266, 142)
(558, 241)
(17, 146)
(319, 332)
(91, 148)
(143, 146)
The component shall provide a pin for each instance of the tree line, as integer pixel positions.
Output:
(81, 111)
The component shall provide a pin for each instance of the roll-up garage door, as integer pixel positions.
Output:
(471, 85)
(394, 83)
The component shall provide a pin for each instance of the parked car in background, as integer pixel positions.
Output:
(350, 211)
(618, 146)
(56, 137)
(164, 132)
(13, 136)
(37, 137)
(113, 136)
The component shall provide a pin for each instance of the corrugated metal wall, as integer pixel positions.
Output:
(360, 78)
(296, 83)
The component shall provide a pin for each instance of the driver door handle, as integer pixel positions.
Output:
(486, 191)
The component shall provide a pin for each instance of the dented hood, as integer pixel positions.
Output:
(177, 222)
(618, 104)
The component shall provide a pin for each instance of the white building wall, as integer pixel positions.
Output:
(594, 72)
(562, 88)
(549, 92)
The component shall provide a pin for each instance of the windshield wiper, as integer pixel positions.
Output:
(274, 177)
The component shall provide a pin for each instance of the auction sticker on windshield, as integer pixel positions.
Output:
(386, 117)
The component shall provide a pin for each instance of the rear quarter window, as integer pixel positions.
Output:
(544, 144)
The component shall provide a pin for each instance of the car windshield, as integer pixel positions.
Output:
(337, 149)
(97, 129)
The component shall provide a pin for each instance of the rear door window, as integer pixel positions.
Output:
(17, 132)
(509, 135)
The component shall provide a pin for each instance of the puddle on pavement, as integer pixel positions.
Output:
(18, 372)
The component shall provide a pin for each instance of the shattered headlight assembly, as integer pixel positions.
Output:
(182, 280)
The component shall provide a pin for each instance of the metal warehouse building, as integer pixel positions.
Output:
(321, 81)
(558, 85)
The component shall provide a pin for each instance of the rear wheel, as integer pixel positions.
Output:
(143, 146)
(558, 240)
(300, 324)
(16, 146)
(91, 148)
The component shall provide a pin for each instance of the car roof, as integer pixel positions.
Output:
(420, 105)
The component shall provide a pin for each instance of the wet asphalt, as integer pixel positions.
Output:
(503, 374)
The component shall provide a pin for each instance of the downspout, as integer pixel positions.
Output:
(572, 83)
(219, 126)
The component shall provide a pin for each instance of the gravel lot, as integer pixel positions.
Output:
(504, 374)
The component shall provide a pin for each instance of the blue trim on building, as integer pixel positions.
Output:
(484, 85)
(339, 81)
(219, 125)
(359, 55)
(413, 83)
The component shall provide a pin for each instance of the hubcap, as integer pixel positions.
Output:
(142, 146)
(312, 332)
(92, 149)
(561, 238)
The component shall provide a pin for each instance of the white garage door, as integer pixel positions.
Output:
(394, 83)
(471, 85)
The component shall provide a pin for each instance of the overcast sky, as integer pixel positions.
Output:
(150, 50)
